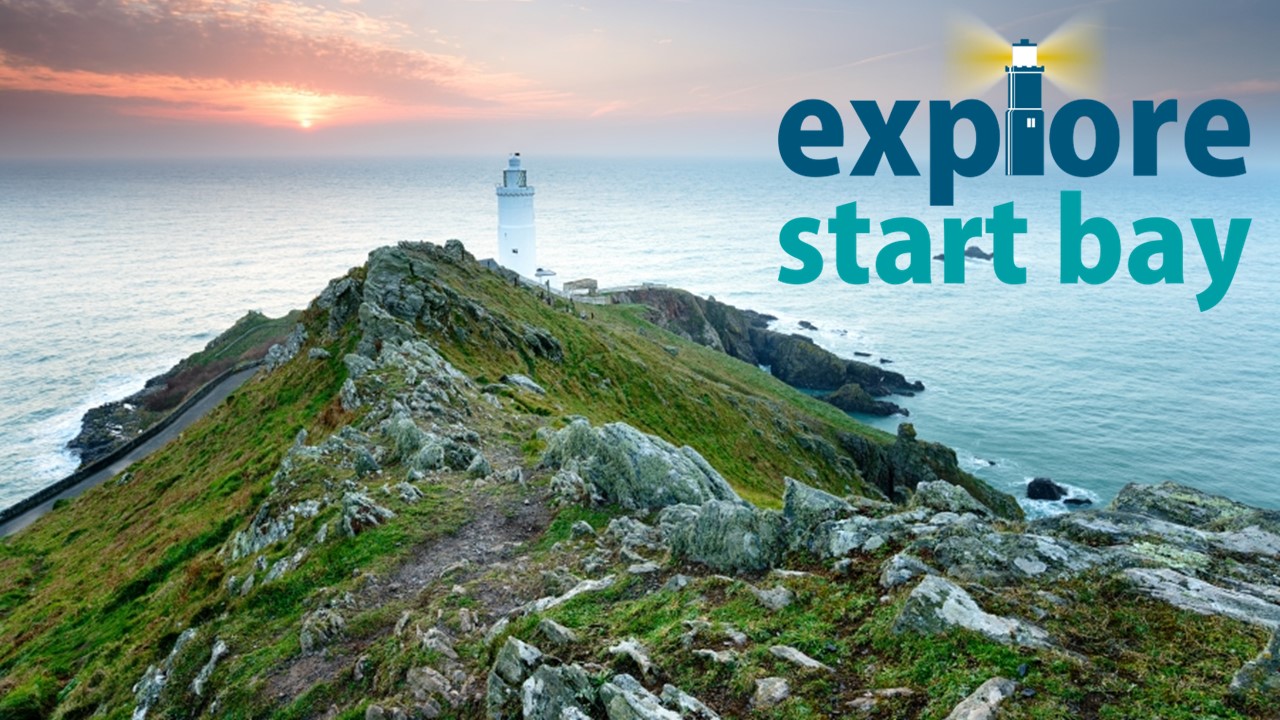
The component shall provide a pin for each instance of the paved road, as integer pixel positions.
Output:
(193, 413)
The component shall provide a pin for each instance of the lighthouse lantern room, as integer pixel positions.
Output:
(516, 248)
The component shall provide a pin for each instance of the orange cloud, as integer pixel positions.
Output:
(270, 63)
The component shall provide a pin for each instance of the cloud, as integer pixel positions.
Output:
(609, 107)
(194, 58)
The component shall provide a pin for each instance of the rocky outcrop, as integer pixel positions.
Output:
(744, 334)
(937, 605)
(726, 536)
(898, 468)
(624, 466)
(852, 398)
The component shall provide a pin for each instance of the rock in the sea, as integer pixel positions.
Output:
(852, 398)
(637, 471)
(985, 702)
(1043, 488)
(938, 605)
(723, 535)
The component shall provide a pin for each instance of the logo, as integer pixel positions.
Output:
(1212, 133)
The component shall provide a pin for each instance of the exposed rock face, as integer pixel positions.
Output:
(937, 605)
(997, 558)
(724, 535)
(943, 496)
(898, 468)
(1190, 507)
(1199, 596)
(637, 471)
(744, 334)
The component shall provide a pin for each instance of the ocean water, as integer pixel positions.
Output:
(112, 271)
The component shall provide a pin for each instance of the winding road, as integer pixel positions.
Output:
(182, 422)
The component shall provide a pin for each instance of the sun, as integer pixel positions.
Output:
(305, 123)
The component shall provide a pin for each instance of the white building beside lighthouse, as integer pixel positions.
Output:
(516, 248)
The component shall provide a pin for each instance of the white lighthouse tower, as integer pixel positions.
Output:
(516, 248)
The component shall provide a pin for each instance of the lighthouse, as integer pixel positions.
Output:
(1024, 120)
(516, 248)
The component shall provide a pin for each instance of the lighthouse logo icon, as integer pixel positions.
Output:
(1024, 120)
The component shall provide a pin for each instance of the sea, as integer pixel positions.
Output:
(112, 271)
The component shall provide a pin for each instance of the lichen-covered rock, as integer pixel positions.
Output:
(686, 705)
(624, 698)
(770, 692)
(202, 678)
(634, 470)
(320, 628)
(1183, 505)
(984, 703)
(725, 536)
(1261, 674)
(632, 651)
(805, 508)
(147, 690)
(902, 569)
(426, 683)
(479, 466)
(551, 692)
(555, 633)
(943, 496)
(515, 662)
(281, 353)
(523, 382)
(264, 531)
(1004, 558)
(360, 512)
(937, 605)
(1198, 596)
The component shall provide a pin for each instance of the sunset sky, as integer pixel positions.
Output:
(125, 78)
